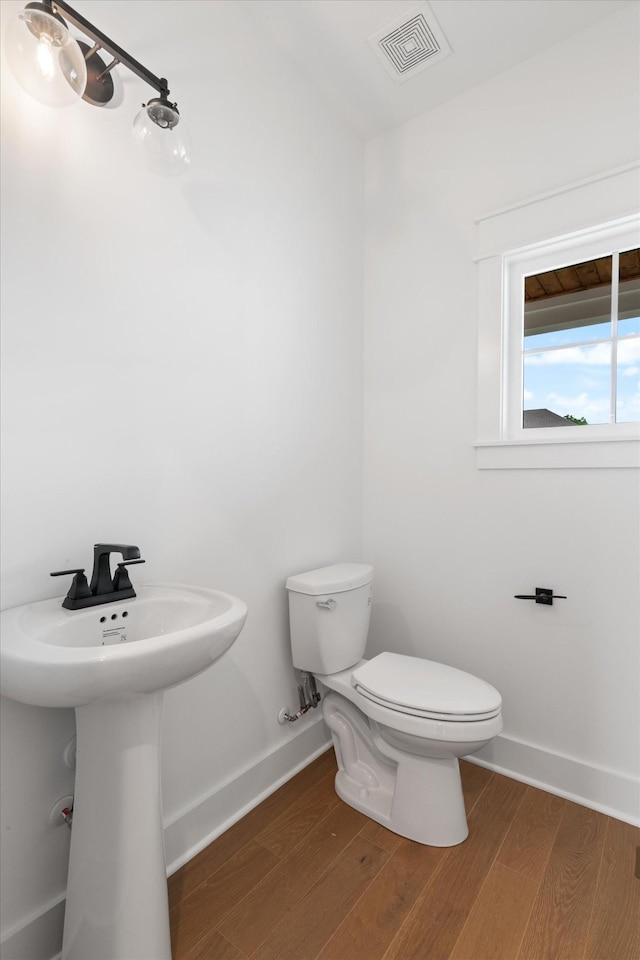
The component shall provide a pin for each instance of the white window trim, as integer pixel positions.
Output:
(611, 200)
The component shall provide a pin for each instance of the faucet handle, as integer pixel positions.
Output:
(121, 579)
(79, 587)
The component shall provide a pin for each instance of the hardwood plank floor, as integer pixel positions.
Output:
(617, 883)
(559, 921)
(498, 918)
(305, 877)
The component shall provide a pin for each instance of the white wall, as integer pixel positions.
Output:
(451, 544)
(182, 370)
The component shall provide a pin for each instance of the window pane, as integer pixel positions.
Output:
(568, 305)
(629, 293)
(628, 392)
(572, 382)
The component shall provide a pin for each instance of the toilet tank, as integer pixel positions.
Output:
(329, 612)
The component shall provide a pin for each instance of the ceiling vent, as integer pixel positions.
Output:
(411, 43)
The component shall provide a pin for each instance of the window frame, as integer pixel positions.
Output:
(590, 218)
(600, 242)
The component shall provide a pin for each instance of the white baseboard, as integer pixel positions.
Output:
(608, 791)
(39, 937)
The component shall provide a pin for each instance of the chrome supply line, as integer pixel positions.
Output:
(307, 695)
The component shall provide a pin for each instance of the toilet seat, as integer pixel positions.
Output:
(397, 718)
(424, 688)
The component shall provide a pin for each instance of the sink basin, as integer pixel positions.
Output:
(112, 663)
(52, 657)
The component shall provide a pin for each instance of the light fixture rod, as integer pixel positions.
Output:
(108, 69)
(120, 55)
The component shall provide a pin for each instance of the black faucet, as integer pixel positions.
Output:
(103, 589)
(101, 582)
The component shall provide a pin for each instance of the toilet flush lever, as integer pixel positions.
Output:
(542, 595)
(329, 604)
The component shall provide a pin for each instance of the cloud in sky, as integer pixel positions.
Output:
(629, 408)
(595, 409)
(598, 355)
(577, 380)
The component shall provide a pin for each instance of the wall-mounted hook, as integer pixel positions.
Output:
(542, 595)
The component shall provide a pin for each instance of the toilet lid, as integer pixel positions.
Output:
(425, 688)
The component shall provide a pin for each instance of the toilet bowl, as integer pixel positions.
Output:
(401, 768)
(398, 723)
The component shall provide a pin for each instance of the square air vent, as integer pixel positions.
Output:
(411, 43)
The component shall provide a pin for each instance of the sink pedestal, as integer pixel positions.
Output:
(112, 665)
(117, 906)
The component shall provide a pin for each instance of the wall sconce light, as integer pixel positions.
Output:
(58, 70)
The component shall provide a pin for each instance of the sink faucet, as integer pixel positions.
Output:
(103, 589)
(101, 582)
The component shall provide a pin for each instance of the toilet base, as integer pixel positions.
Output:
(436, 820)
(416, 797)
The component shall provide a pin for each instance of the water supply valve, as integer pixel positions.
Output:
(62, 811)
(308, 696)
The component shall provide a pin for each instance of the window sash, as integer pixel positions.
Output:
(557, 254)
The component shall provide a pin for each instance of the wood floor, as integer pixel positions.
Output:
(305, 877)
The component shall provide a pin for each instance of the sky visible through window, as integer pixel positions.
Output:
(568, 360)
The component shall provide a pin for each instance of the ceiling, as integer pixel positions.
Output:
(328, 41)
(581, 276)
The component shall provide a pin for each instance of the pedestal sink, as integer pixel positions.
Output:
(112, 662)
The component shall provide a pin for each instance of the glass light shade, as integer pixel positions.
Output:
(162, 139)
(45, 59)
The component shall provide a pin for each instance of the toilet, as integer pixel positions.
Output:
(398, 723)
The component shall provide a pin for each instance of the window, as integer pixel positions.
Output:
(559, 330)
(573, 318)
(581, 344)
